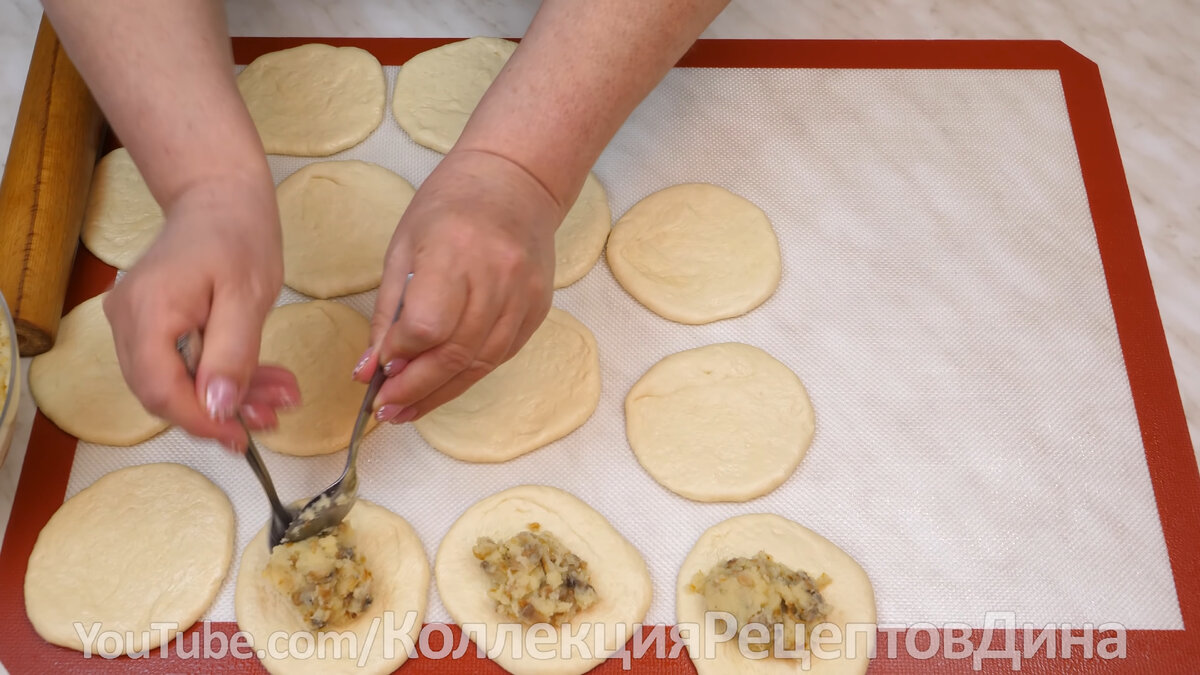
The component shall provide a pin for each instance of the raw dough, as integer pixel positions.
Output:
(618, 573)
(850, 596)
(725, 422)
(79, 386)
(579, 241)
(142, 545)
(400, 586)
(122, 218)
(549, 389)
(695, 253)
(319, 341)
(437, 90)
(338, 218)
(314, 100)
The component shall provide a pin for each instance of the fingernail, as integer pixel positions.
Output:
(287, 400)
(394, 366)
(220, 398)
(405, 415)
(253, 419)
(362, 363)
(387, 412)
(232, 447)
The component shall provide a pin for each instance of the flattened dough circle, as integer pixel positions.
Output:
(724, 422)
(122, 219)
(437, 90)
(319, 341)
(337, 219)
(400, 585)
(549, 389)
(315, 99)
(617, 571)
(145, 544)
(695, 253)
(79, 386)
(579, 241)
(850, 595)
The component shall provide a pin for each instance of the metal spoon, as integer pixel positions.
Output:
(330, 507)
(282, 517)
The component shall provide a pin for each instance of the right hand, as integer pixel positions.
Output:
(216, 267)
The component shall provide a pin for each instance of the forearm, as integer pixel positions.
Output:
(163, 74)
(581, 69)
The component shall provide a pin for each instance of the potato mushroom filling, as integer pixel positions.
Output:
(761, 592)
(323, 576)
(535, 579)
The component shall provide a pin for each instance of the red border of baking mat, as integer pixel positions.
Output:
(1168, 448)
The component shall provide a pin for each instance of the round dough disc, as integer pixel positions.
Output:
(695, 253)
(579, 241)
(437, 90)
(319, 341)
(79, 386)
(617, 571)
(122, 219)
(314, 100)
(549, 389)
(725, 422)
(337, 219)
(400, 588)
(145, 544)
(850, 596)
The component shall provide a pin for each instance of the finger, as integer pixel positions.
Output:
(160, 381)
(366, 365)
(230, 356)
(273, 386)
(480, 346)
(497, 353)
(434, 308)
(259, 416)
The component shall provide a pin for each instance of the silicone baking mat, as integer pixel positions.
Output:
(999, 437)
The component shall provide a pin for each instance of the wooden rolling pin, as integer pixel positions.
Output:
(44, 191)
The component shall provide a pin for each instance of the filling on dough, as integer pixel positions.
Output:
(760, 591)
(325, 578)
(535, 579)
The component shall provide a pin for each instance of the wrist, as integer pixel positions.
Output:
(477, 163)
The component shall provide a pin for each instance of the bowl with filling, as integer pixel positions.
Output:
(10, 379)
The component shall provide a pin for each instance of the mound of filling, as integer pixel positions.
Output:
(760, 591)
(324, 576)
(535, 579)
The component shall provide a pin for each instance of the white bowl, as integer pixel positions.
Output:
(10, 379)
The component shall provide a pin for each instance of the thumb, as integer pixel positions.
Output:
(231, 342)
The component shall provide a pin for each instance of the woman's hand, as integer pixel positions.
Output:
(478, 238)
(216, 267)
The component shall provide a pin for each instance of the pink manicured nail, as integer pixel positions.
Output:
(405, 415)
(387, 412)
(256, 421)
(362, 363)
(394, 366)
(287, 400)
(220, 398)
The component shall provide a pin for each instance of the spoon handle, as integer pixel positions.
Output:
(368, 403)
(188, 347)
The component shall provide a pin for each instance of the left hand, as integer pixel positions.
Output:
(478, 238)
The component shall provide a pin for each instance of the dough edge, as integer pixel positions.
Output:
(613, 561)
(795, 546)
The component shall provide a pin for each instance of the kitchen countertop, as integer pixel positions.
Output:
(1149, 64)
